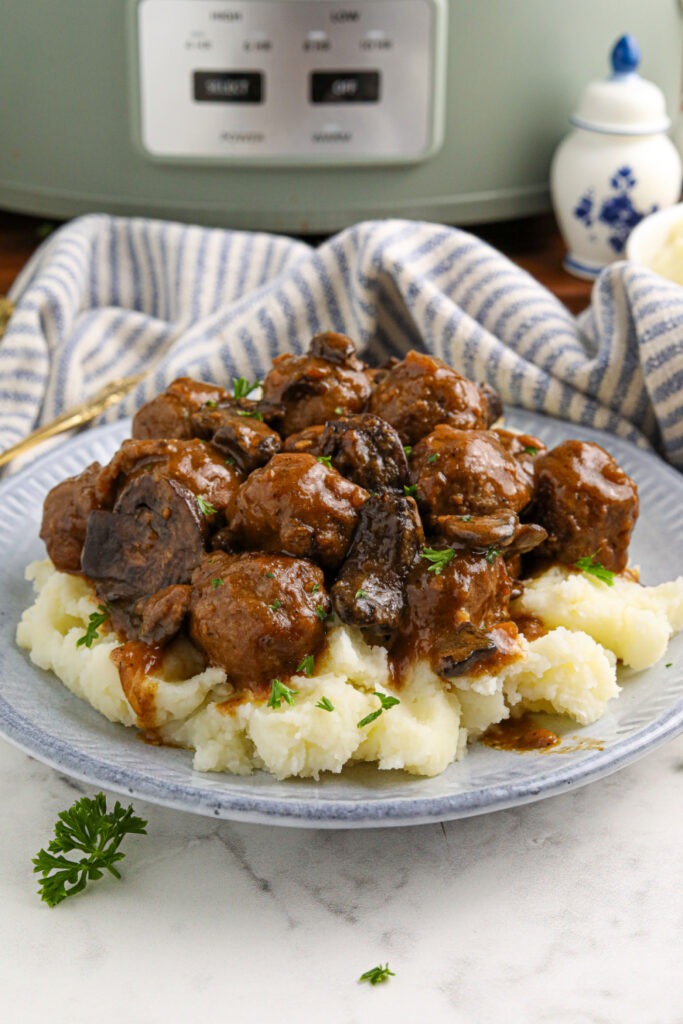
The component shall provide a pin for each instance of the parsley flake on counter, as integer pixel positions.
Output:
(86, 826)
(326, 460)
(410, 490)
(530, 449)
(325, 704)
(280, 692)
(360, 593)
(377, 974)
(275, 605)
(668, 664)
(205, 507)
(307, 665)
(95, 620)
(216, 583)
(438, 557)
(491, 554)
(386, 702)
(592, 567)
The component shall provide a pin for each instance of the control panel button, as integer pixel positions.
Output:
(344, 86)
(228, 86)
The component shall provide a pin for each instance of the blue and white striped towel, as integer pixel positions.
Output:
(106, 297)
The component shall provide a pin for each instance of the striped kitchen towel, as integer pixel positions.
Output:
(107, 296)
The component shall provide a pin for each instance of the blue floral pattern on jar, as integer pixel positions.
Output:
(616, 211)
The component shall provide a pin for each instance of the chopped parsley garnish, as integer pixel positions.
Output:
(321, 613)
(326, 460)
(280, 692)
(86, 826)
(465, 519)
(210, 404)
(433, 457)
(251, 414)
(668, 664)
(410, 490)
(275, 605)
(408, 449)
(592, 567)
(218, 582)
(315, 588)
(377, 974)
(241, 387)
(386, 702)
(439, 558)
(339, 411)
(205, 507)
(360, 593)
(307, 665)
(229, 461)
(530, 449)
(491, 554)
(325, 704)
(95, 620)
(270, 575)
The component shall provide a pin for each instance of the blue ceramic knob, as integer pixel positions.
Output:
(625, 56)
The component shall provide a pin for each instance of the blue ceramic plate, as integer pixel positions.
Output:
(39, 715)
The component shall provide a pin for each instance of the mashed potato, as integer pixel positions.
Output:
(570, 670)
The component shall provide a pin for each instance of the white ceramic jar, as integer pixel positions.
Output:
(616, 167)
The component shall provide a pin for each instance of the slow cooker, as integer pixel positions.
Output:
(303, 115)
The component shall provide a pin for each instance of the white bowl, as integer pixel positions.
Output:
(650, 236)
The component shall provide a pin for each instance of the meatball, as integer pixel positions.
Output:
(298, 505)
(309, 440)
(422, 391)
(467, 472)
(587, 503)
(524, 447)
(367, 450)
(65, 517)
(257, 616)
(168, 414)
(327, 382)
(444, 595)
(196, 465)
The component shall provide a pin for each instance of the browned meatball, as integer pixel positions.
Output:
(65, 518)
(465, 590)
(196, 465)
(168, 414)
(524, 447)
(317, 387)
(258, 616)
(467, 472)
(587, 503)
(300, 506)
(421, 392)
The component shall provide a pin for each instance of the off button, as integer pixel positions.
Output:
(344, 87)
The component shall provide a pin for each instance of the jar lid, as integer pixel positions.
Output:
(624, 103)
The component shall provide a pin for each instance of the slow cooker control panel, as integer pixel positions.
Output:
(290, 81)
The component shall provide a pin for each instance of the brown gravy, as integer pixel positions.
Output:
(519, 734)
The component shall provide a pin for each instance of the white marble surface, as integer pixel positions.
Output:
(566, 911)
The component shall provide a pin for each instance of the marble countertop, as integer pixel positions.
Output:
(565, 911)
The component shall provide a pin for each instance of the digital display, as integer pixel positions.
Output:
(228, 86)
(344, 87)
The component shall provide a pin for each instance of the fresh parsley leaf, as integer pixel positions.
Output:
(491, 554)
(315, 588)
(339, 411)
(205, 507)
(410, 490)
(531, 449)
(590, 565)
(270, 575)
(360, 593)
(321, 613)
(668, 664)
(408, 449)
(210, 404)
(438, 557)
(95, 620)
(218, 582)
(326, 460)
(229, 461)
(241, 387)
(433, 457)
(377, 974)
(465, 519)
(307, 665)
(386, 702)
(86, 826)
(280, 692)
(275, 605)
(325, 704)
(251, 414)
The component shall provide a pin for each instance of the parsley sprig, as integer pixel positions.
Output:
(590, 565)
(280, 692)
(205, 507)
(378, 974)
(386, 702)
(241, 387)
(325, 704)
(95, 620)
(307, 665)
(87, 827)
(438, 558)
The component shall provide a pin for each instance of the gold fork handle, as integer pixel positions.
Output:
(110, 394)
